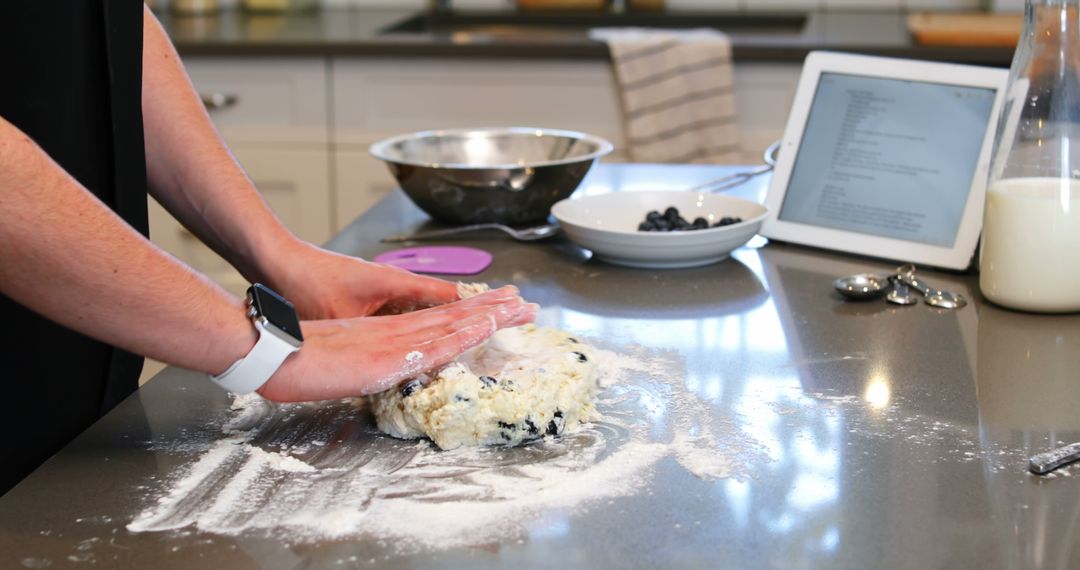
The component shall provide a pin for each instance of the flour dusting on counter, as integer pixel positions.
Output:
(307, 472)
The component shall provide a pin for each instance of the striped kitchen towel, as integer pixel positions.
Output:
(678, 96)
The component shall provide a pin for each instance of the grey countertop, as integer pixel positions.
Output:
(853, 435)
(775, 36)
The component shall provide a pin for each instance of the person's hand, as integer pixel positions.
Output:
(365, 355)
(324, 285)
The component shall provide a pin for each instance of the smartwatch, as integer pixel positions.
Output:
(279, 336)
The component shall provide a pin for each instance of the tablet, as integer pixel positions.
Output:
(886, 158)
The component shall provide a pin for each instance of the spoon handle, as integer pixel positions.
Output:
(910, 280)
(443, 232)
(1046, 462)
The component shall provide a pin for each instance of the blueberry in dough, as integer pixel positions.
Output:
(410, 387)
(580, 357)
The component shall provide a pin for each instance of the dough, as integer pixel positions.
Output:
(522, 384)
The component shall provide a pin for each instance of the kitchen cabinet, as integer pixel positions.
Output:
(284, 177)
(301, 126)
(274, 116)
(374, 98)
(378, 97)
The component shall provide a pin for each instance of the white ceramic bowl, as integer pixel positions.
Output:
(607, 225)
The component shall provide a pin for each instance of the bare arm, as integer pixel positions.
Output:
(196, 178)
(193, 174)
(65, 255)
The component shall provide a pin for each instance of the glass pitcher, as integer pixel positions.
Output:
(1030, 257)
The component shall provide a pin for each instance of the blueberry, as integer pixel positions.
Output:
(555, 426)
(410, 387)
(682, 224)
(663, 225)
(646, 227)
(700, 223)
(532, 429)
(580, 357)
(572, 339)
(508, 426)
(653, 216)
(460, 398)
(727, 221)
(488, 381)
(672, 213)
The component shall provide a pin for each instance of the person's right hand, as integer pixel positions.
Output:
(365, 355)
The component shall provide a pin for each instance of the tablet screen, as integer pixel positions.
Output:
(888, 157)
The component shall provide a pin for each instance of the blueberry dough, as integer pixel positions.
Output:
(524, 383)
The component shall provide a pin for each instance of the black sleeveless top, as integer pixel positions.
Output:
(72, 74)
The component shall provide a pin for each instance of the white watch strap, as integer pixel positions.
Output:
(252, 371)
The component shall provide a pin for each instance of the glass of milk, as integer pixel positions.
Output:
(1030, 256)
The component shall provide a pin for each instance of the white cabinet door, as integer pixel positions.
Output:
(279, 100)
(360, 181)
(378, 97)
(295, 182)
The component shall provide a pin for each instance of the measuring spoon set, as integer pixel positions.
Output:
(900, 288)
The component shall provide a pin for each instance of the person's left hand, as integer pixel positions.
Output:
(327, 285)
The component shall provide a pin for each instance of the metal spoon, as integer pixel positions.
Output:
(900, 294)
(1045, 462)
(863, 286)
(525, 234)
(933, 297)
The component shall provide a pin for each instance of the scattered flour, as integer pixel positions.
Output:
(265, 473)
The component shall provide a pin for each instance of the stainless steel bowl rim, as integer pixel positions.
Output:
(604, 147)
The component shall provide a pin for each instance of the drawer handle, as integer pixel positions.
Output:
(214, 101)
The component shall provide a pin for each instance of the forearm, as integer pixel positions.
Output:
(65, 255)
(192, 173)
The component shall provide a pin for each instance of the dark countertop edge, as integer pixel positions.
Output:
(778, 54)
(823, 32)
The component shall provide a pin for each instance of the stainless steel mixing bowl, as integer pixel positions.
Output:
(506, 175)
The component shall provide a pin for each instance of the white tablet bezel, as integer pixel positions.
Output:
(960, 255)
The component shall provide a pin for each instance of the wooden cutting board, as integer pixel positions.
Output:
(965, 29)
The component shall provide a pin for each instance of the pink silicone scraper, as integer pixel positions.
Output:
(442, 259)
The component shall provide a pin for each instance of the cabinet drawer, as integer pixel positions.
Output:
(380, 97)
(264, 100)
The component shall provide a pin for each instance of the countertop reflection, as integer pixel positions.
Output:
(862, 435)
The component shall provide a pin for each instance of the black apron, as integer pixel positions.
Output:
(71, 74)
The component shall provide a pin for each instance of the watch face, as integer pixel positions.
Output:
(275, 309)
